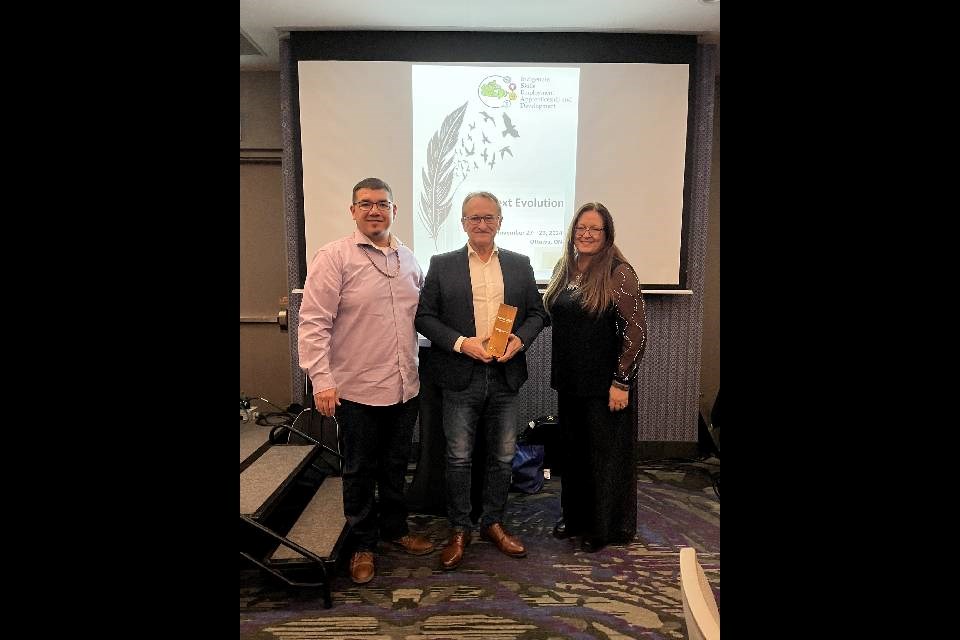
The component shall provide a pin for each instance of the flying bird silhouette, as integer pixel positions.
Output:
(486, 116)
(484, 154)
(485, 141)
(472, 125)
(493, 160)
(469, 152)
(504, 150)
(512, 130)
(475, 165)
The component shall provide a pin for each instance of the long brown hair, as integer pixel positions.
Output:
(596, 284)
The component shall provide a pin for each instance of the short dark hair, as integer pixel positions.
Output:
(374, 184)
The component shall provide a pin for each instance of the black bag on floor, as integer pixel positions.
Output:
(545, 431)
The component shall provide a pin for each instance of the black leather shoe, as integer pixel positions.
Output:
(560, 530)
(592, 545)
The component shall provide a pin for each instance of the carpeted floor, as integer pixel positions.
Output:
(557, 591)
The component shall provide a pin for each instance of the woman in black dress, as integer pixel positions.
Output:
(599, 335)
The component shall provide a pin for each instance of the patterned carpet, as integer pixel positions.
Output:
(557, 591)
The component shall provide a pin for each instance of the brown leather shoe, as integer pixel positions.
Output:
(361, 567)
(452, 554)
(414, 545)
(507, 543)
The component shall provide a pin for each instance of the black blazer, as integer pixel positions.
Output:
(446, 313)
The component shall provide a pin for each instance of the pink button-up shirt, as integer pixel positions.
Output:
(356, 328)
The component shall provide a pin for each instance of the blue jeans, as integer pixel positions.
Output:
(376, 448)
(488, 401)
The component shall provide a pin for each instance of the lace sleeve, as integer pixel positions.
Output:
(631, 322)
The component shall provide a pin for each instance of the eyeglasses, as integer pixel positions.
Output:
(594, 231)
(366, 206)
(475, 220)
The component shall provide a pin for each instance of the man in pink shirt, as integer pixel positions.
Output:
(358, 345)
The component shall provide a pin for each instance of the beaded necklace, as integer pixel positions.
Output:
(366, 253)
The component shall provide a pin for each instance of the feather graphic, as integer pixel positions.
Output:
(437, 194)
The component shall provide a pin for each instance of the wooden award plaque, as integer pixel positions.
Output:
(502, 326)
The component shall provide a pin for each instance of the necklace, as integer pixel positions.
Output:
(575, 283)
(366, 253)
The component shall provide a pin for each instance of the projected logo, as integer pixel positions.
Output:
(511, 131)
(497, 91)
(452, 157)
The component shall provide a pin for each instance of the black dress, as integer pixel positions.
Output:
(599, 477)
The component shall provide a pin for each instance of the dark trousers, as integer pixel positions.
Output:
(599, 480)
(487, 400)
(376, 448)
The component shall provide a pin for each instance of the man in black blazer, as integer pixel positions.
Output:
(458, 305)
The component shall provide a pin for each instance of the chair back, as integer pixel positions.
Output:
(699, 606)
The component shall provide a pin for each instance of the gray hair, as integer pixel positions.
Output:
(480, 194)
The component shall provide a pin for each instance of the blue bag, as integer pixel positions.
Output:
(528, 468)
